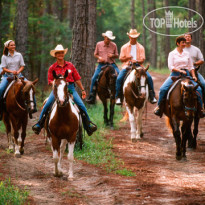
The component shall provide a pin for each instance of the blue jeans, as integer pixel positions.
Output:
(76, 97)
(121, 77)
(97, 72)
(168, 82)
(202, 81)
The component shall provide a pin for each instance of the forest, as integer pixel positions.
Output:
(37, 26)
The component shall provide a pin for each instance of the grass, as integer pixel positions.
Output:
(10, 194)
(97, 150)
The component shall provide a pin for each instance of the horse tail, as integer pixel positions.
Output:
(168, 123)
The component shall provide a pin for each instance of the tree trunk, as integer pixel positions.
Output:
(202, 35)
(71, 12)
(58, 8)
(22, 31)
(83, 43)
(195, 35)
(167, 39)
(133, 14)
(153, 50)
(144, 32)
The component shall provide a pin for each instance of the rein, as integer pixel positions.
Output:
(17, 101)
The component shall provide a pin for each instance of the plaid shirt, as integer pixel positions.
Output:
(73, 74)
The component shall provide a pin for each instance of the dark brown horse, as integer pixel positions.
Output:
(19, 103)
(136, 94)
(62, 124)
(181, 106)
(106, 90)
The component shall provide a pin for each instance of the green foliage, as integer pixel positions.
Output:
(2, 127)
(97, 149)
(9, 194)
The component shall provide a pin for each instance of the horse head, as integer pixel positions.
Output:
(189, 97)
(111, 76)
(28, 93)
(141, 80)
(60, 89)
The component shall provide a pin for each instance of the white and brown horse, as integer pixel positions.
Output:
(19, 103)
(136, 94)
(62, 124)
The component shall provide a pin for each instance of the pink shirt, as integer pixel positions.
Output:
(177, 60)
(126, 51)
(103, 50)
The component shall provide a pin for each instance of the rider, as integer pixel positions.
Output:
(12, 63)
(73, 77)
(134, 52)
(196, 56)
(179, 62)
(105, 52)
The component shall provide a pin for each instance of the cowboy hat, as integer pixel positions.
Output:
(133, 33)
(58, 48)
(108, 34)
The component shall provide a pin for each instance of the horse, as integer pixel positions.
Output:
(19, 103)
(106, 90)
(181, 106)
(62, 124)
(135, 90)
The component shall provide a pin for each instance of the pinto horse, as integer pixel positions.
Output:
(136, 94)
(19, 103)
(106, 90)
(181, 106)
(62, 124)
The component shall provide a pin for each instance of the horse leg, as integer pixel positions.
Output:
(195, 131)
(176, 133)
(23, 135)
(70, 159)
(105, 113)
(56, 153)
(62, 150)
(132, 122)
(139, 124)
(7, 124)
(185, 132)
(112, 110)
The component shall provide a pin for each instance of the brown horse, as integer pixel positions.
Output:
(62, 124)
(106, 90)
(181, 106)
(19, 103)
(136, 94)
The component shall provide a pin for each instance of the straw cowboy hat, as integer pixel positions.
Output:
(108, 34)
(133, 33)
(58, 48)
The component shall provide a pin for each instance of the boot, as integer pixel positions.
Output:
(159, 110)
(89, 126)
(118, 101)
(91, 99)
(152, 98)
(39, 125)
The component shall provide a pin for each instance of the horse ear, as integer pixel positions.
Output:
(66, 74)
(146, 69)
(196, 86)
(24, 83)
(35, 81)
(54, 74)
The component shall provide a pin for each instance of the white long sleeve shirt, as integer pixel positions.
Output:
(180, 61)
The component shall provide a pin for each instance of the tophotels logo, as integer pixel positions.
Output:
(174, 19)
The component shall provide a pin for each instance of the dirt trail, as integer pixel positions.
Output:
(160, 179)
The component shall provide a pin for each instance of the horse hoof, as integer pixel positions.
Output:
(141, 135)
(178, 157)
(22, 151)
(134, 140)
(58, 175)
(18, 155)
